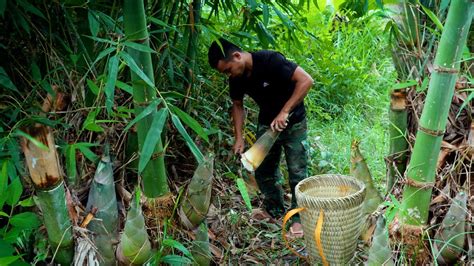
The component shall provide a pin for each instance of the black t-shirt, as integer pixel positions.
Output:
(270, 85)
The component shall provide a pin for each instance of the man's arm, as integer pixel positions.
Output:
(303, 83)
(238, 116)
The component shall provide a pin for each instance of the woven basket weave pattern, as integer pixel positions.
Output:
(341, 198)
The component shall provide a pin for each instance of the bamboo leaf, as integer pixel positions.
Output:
(102, 40)
(30, 8)
(192, 146)
(25, 220)
(35, 72)
(93, 23)
(243, 191)
(139, 47)
(90, 122)
(266, 14)
(28, 202)
(176, 260)
(124, 86)
(403, 85)
(3, 5)
(433, 17)
(14, 192)
(93, 87)
(84, 148)
(177, 245)
(104, 53)
(110, 84)
(134, 67)
(8, 260)
(191, 122)
(5, 81)
(36, 142)
(144, 113)
(71, 163)
(3, 184)
(152, 138)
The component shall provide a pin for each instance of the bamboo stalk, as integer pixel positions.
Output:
(102, 196)
(195, 204)
(398, 143)
(154, 175)
(422, 168)
(449, 239)
(44, 169)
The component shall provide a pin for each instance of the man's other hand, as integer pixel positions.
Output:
(280, 122)
(239, 146)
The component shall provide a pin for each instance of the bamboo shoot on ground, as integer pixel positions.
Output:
(360, 170)
(102, 196)
(380, 252)
(134, 243)
(200, 247)
(196, 202)
(449, 239)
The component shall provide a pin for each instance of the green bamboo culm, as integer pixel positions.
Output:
(102, 196)
(53, 204)
(197, 199)
(422, 168)
(449, 239)
(193, 33)
(200, 246)
(398, 138)
(380, 252)
(134, 243)
(154, 181)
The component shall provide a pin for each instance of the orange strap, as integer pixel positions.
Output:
(317, 237)
(285, 219)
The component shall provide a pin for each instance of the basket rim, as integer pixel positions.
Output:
(359, 193)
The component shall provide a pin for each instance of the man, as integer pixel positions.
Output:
(278, 86)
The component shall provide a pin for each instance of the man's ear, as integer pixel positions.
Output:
(237, 55)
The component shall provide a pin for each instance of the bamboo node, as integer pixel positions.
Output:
(435, 133)
(418, 184)
(446, 69)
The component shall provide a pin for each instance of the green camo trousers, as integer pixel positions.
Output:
(293, 141)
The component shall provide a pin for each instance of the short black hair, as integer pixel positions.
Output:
(216, 52)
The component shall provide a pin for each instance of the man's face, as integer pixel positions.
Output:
(235, 67)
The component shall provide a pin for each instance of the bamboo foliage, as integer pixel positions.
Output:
(449, 239)
(154, 174)
(102, 196)
(43, 165)
(422, 168)
(197, 199)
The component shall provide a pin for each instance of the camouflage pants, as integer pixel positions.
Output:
(293, 141)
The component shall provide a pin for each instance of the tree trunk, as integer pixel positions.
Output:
(154, 175)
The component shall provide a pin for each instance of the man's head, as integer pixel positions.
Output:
(227, 59)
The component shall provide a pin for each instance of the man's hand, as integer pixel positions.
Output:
(280, 122)
(239, 146)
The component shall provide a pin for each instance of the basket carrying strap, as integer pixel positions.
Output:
(317, 234)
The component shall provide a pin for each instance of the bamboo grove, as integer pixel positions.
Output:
(109, 138)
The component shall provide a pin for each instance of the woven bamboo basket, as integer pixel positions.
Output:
(331, 215)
